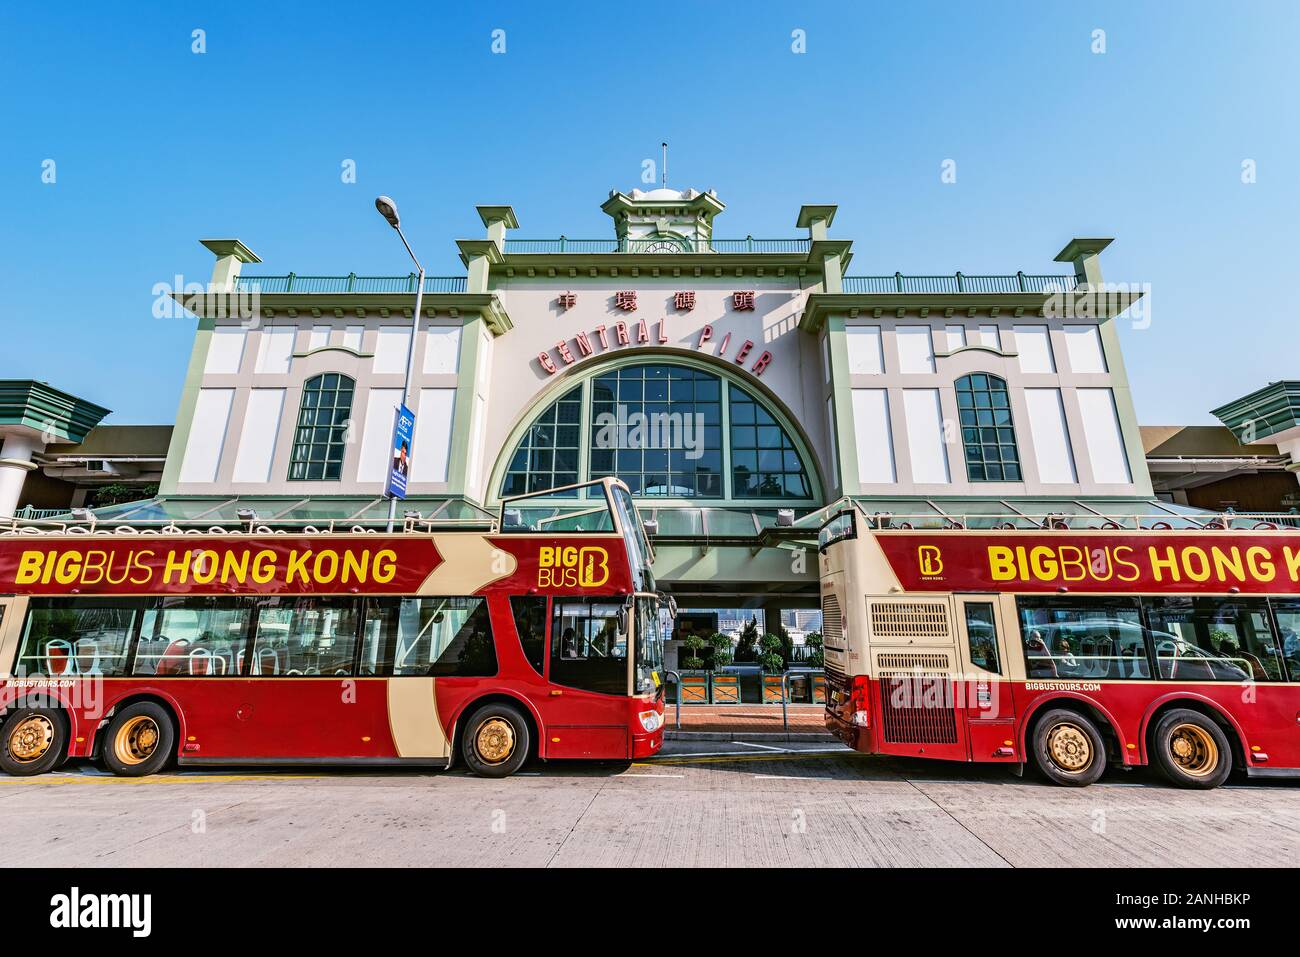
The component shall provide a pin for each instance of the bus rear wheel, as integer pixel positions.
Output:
(1068, 748)
(33, 741)
(1191, 750)
(496, 742)
(139, 741)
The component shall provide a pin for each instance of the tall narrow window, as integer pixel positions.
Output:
(321, 436)
(987, 435)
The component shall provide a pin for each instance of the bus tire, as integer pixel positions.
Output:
(1068, 748)
(496, 742)
(139, 740)
(1191, 750)
(33, 741)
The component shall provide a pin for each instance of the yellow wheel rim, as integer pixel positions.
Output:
(1069, 747)
(1193, 750)
(31, 738)
(495, 741)
(136, 741)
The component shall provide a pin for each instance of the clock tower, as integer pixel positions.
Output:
(663, 220)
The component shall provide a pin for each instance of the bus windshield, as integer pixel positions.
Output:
(638, 545)
(648, 677)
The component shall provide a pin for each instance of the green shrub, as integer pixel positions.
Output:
(722, 653)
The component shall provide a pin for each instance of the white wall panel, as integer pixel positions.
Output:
(926, 448)
(377, 434)
(1051, 436)
(225, 351)
(207, 435)
(257, 437)
(873, 436)
(433, 426)
(1102, 434)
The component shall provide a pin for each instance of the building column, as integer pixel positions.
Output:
(15, 463)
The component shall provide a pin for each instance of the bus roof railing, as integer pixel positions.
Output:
(16, 527)
(1081, 517)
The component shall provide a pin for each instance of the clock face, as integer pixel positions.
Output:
(662, 246)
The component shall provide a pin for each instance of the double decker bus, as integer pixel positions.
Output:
(1129, 642)
(539, 637)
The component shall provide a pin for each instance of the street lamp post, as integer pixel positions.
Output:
(388, 209)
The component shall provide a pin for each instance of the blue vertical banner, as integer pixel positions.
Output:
(399, 466)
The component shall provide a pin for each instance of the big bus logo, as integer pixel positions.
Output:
(930, 560)
(565, 566)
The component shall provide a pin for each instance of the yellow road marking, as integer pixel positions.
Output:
(154, 779)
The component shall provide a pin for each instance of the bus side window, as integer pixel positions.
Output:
(66, 637)
(1083, 638)
(529, 612)
(1213, 639)
(982, 636)
(1287, 611)
(439, 637)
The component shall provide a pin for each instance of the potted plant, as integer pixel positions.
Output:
(725, 686)
(746, 647)
(773, 667)
(816, 654)
(695, 680)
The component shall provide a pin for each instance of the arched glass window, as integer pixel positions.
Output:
(321, 436)
(547, 455)
(659, 428)
(987, 434)
(764, 461)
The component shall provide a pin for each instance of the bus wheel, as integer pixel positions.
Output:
(1068, 748)
(139, 741)
(496, 741)
(33, 741)
(1191, 750)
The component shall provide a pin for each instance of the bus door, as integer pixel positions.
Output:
(586, 710)
(985, 689)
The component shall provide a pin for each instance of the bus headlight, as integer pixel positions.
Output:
(651, 720)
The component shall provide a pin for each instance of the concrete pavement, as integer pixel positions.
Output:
(704, 804)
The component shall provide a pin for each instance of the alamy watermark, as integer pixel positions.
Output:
(672, 431)
(1102, 301)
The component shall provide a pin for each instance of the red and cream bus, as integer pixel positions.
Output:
(538, 637)
(1064, 647)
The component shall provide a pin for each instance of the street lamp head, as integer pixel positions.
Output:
(388, 209)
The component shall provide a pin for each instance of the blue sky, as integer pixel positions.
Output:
(156, 147)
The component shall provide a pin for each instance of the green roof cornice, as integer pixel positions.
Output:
(498, 214)
(473, 248)
(1263, 413)
(701, 203)
(821, 305)
(59, 416)
(814, 213)
(809, 261)
(1080, 247)
(359, 304)
(229, 247)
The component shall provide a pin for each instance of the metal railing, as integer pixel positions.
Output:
(785, 692)
(28, 513)
(959, 282)
(1080, 521)
(677, 683)
(349, 283)
(562, 244)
